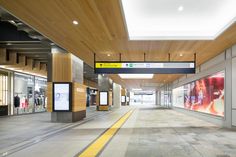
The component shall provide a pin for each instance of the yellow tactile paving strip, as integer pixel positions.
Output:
(95, 148)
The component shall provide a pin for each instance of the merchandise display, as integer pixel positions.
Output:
(203, 95)
(16, 101)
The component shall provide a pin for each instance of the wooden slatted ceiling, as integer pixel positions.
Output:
(101, 30)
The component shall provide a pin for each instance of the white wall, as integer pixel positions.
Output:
(116, 95)
(224, 61)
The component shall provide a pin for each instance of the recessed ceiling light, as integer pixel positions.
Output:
(136, 76)
(180, 8)
(75, 22)
(108, 55)
(181, 55)
(52, 44)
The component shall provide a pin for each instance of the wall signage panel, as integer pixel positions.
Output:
(62, 96)
(145, 67)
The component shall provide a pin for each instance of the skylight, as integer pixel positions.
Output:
(178, 19)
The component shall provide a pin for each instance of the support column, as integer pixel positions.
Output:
(116, 95)
(128, 97)
(65, 67)
(123, 93)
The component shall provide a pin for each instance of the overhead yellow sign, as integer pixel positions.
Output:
(108, 65)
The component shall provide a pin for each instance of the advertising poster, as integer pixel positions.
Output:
(61, 97)
(103, 98)
(204, 95)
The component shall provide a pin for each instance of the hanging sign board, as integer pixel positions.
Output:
(187, 67)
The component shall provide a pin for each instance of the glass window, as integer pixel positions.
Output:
(40, 99)
(23, 93)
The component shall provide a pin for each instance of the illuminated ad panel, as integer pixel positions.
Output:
(62, 96)
(103, 98)
(145, 67)
(204, 95)
(123, 99)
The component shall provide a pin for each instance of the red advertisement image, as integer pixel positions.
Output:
(206, 95)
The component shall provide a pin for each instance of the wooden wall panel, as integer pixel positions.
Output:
(79, 97)
(3, 53)
(29, 65)
(90, 83)
(22, 60)
(36, 65)
(49, 96)
(61, 69)
(123, 92)
(12, 58)
(43, 66)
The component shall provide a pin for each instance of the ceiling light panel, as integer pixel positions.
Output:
(75, 22)
(136, 76)
(178, 19)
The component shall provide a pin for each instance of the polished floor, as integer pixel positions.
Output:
(149, 131)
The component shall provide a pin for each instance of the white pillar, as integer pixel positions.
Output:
(116, 95)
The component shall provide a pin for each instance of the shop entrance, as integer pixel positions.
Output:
(142, 98)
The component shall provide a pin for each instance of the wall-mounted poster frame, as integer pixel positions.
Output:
(103, 98)
(62, 96)
(123, 99)
(127, 99)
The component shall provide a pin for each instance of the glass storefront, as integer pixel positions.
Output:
(29, 94)
(40, 99)
(23, 93)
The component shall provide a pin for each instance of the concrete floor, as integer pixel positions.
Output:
(150, 131)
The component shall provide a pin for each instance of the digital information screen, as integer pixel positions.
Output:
(62, 96)
(123, 99)
(145, 67)
(103, 98)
